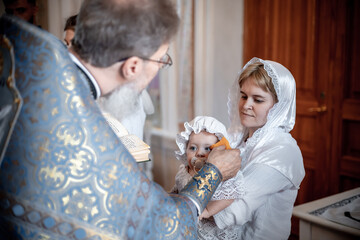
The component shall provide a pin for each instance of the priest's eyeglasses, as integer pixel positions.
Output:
(165, 60)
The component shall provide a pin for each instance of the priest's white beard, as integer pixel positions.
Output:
(122, 102)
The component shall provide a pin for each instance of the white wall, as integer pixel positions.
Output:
(218, 54)
(58, 12)
(228, 45)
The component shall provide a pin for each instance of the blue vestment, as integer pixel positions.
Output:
(65, 174)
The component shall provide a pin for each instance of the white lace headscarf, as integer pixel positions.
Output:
(280, 119)
(281, 115)
(198, 124)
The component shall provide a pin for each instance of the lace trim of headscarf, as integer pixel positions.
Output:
(236, 132)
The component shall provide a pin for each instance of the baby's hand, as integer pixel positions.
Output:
(204, 214)
(191, 171)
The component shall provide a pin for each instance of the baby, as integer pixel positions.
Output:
(195, 143)
(194, 147)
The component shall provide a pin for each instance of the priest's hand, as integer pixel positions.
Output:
(227, 161)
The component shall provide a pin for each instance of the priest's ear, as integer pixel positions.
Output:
(131, 68)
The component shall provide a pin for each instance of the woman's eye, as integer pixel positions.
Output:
(207, 149)
(259, 100)
(243, 97)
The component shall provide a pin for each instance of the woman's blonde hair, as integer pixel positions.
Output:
(260, 77)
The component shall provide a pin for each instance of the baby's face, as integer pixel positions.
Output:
(199, 146)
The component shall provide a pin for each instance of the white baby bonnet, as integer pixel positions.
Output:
(198, 124)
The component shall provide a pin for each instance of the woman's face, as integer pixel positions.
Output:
(199, 145)
(254, 105)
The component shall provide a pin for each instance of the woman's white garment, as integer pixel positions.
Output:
(230, 189)
(272, 168)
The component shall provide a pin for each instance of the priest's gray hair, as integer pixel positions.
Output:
(110, 30)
